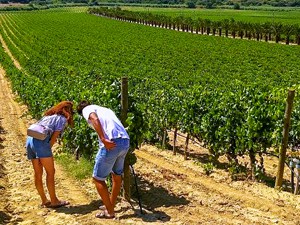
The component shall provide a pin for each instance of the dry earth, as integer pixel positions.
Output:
(172, 190)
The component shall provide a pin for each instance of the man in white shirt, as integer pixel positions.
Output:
(113, 147)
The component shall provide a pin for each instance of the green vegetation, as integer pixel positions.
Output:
(291, 16)
(229, 94)
(275, 31)
(208, 168)
(79, 169)
(32, 7)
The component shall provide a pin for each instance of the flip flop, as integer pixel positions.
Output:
(103, 215)
(61, 203)
(45, 205)
(102, 207)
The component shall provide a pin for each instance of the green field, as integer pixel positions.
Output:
(291, 16)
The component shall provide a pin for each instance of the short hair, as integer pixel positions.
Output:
(81, 106)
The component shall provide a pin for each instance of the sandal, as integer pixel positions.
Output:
(102, 207)
(45, 205)
(104, 215)
(61, 203)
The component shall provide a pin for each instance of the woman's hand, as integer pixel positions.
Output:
(54, 137)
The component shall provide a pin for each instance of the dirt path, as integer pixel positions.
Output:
(17, 64)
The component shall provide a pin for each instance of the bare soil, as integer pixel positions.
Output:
(11, 4)
(172, 190)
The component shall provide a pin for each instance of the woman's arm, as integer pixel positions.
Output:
(54, 137)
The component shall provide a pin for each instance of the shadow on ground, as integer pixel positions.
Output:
(4, 218)
(80, 209)
(151, 198)
(2, 131)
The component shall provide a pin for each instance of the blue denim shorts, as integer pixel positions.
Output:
(108, 161)
(38, 149)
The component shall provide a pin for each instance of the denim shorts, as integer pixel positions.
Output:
(108, 161)
(38, 148)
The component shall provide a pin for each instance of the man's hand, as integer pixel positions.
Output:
(108, 144)
(98, 128)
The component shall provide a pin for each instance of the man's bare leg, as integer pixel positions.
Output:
(103, 192)
(116, 187)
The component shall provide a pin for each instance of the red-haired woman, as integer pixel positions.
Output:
(40, 153)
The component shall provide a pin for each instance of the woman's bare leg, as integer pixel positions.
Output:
(48, 164)
(38, 179)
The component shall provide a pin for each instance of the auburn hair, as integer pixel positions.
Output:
(64, 108)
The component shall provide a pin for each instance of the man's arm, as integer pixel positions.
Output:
(99, 129)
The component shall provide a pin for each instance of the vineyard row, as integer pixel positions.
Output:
(259, 31)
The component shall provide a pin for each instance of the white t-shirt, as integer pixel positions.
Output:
(111, 125)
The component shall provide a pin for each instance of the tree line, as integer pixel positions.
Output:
(267, 31)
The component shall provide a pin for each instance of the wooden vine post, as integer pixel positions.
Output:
(186, 146)
(282, 153)
(124, 110)
(163, 143)
(174, 141)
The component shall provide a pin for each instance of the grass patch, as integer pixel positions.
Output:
(79, 169)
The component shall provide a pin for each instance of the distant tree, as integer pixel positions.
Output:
(240, 28)
(207, 25)
(297, 34)
(266, 29)
(233, 27)
(277, 29)
(189, 23)
(209, 5)
(179, 21)
(249, 30)
(288, 30)
(214, 25)
(92, 2)
(236, 6)
(201, 24)
(226, 25)
(258, 30)
(191, 5)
